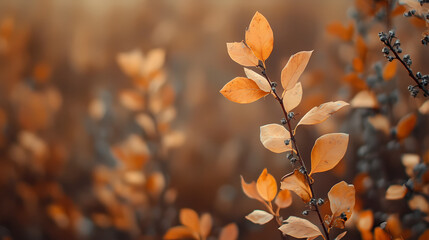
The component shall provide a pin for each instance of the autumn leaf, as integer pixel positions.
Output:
(180, 232)
(294, 68)
(250, 190)
(358, 65)
(259, 37)
(365, 221)
(229, 232)
(131, 62)
(273, 138)
(299, 228)
(258, 79)
(327, 151)
(189, 218)
(321, 113)
(242, 54)
(395, 192)
(206, 223)
(424, 108)
(380, 122)
(266, 186)
(132, 100)
(297, 183)
(341, 235)
(242, 90)
(406, 125)
(419, 202)
(342, 199)
(389, 70)
(155, 59)
(337, 29)
(409, 161)
(283, 199)
(292, 97)
(259, 217)
(380, 234)
(365, 99)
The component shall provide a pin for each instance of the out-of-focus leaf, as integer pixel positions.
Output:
(327, 151)
(259, 37)
(206, 223)
(365, 99)
(294, 68)
(132, 100)
(259, 217)
(424, 108)
(389, 70)
(299, 228)
(380, 234)
(180, 232)
(380, 122)
(229, 232)
(266, 186)
(405, 126)
(189, 218)
(409, 161)
(242, 90)
(395, 192)
(339, 30)
(365, 221)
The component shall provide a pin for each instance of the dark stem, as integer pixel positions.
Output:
(294, 145)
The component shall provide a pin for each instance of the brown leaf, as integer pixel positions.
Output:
(229, 232)
(292, 97)
(259, 217)
(250, 190)
(266, 186)
(258, 79)
(406, 125)
(283, 199)
(294, 68)
(259, 37)
(395, 192)
(389, 70)
(321, 113)
(299, 228)
(242, 90)
(380, 122)
(297, 183)
(341, 235)
(342, 199)
(273, 137)
(327, 151)
(206, 223)
(189, 218)
(242, 54)
(180, 232)
(364, 99)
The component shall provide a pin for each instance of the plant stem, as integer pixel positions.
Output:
(294, 145)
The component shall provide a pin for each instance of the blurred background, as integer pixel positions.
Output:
(94, 147)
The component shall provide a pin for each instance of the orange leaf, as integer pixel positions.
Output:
(155, 59)
(358, 65)
(273, 137)
(299, 228)
(259, 37)
(189, 218)
(361, 48)
(389, 70)
(393, 225)
(327, 151)
(342, 199)
(242, 54)
(131, 62)
(229, 232)
(283, 199)
(406, 125)
(292, 97)
(206, 223)
(180, 232)
(242, 90)
(341, 235)
(395, 192)
(258, 79)
(297, 183)
(321, 113)
(380, 122)
(365, 221)
(337, 29)
(266, 186)
(425, 235)
(380, 234)
(294, 68)
(419, 202)
(364, 99)
(132, 100)
(250, 190)
(259, 217)
(410, 161)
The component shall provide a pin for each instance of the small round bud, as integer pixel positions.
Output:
(305, 212)
(320, 202)
(287, 141)
(273, 84)
(302, 170)
(419, 75)
(293, 160)
(385, 50)
(343, 216)
(283, 121)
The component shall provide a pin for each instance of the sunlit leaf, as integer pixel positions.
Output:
(297, 183)
(273, 137)
(342, 199)
(389, 70)
(292, 97)
(299, 228)
(250, 190)
(180, 232)
(327, 151)
(206, 223)
(283, 199)
(321, 113)
(364, 99)
(189, 218)
(259, 80)
(259, 37)
(294, 68)
(266, 186)
(259, 217)
(242, 54)
(405, 126)
(242, 90)
(229, 232)
(395, 192)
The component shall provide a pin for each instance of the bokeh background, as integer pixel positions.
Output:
(76, 164)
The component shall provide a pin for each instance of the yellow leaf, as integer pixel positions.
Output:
(299, 228)
(266, 186)
(258, 79)
(242, 54)
(273, 137)
(327, 151)
(342, 199)
(259, 37)
(189, 218)
(294, 68)
(406, 125)
(259, 217)
(180, 232)
(395, 192)
(321, 113)
(250, 190)
(380, 122)
(341, 235)
(229, 232)
(242, 90)
(364, 99)
(283, 199)
(389, 70)
(292, 97)
(297, 183)
(206, 223)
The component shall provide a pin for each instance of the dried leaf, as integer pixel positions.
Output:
(380, 234)
(242, 90)
(395, 192)
(242, 54)
(206, 223)
(259, 80)
(273, 137)
(327, 151)
(266, 186)
(341, 235)
(292, 97)
(250, 190)
(406, 125)
(259, 217)
(189, 218)
(229, 232)
(297, 183)
(380, 122)
(389, 70)
(283, 199)
(180, 232)
(294, 68)
(342, 199)
(365, 221)
(424, 108)
(259, 37)
(364, 99)
(321, 113)
(299, 228)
